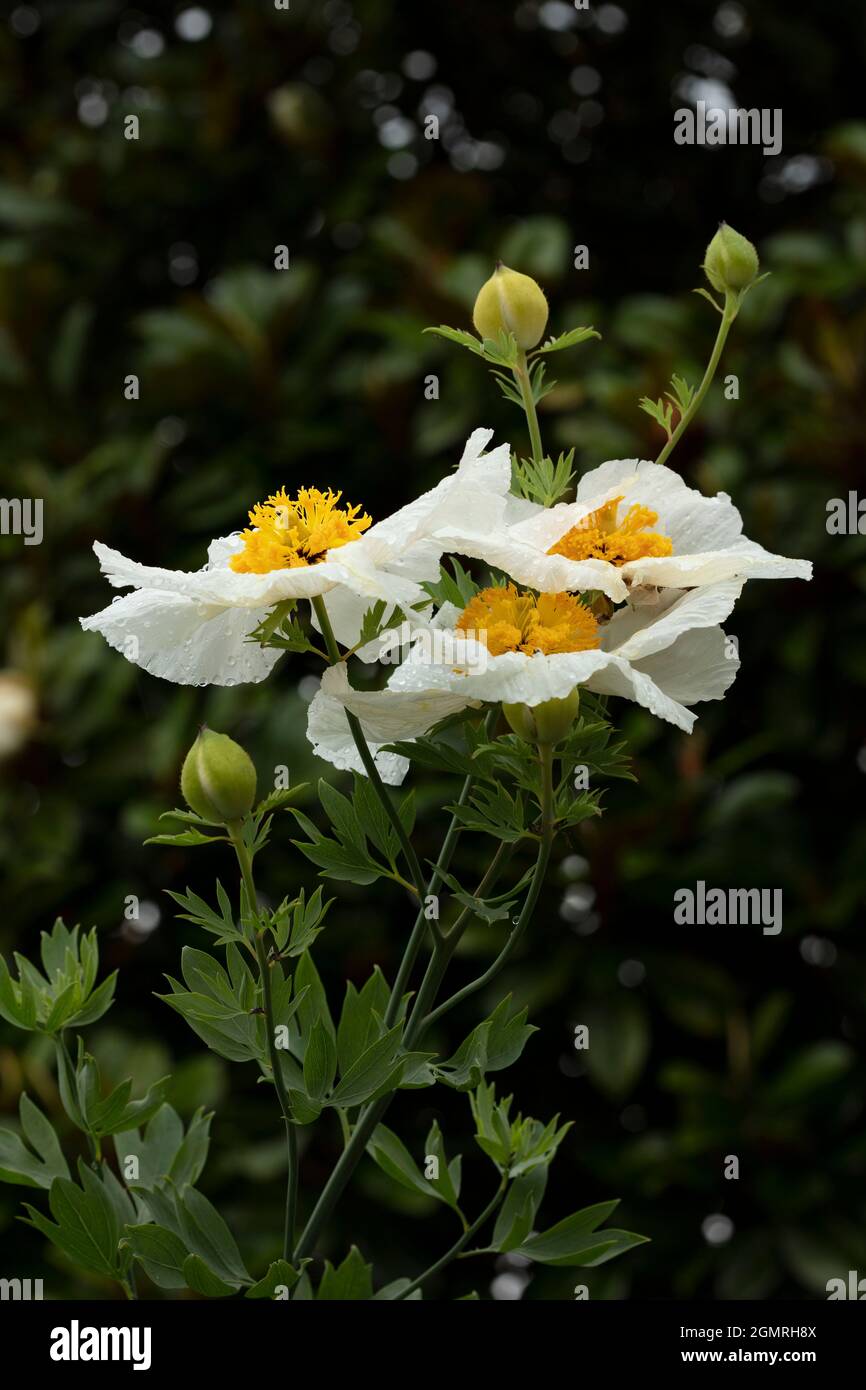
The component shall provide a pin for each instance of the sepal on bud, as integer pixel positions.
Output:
(549, 722)
(510, 302)
(218, 779)
(731, 262)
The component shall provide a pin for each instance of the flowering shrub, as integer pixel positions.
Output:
(500, 677)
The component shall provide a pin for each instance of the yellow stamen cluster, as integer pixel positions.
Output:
(506, 620)
(289, 532)
(600, 537)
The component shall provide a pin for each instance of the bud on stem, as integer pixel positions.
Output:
(218, 779)
(731, 262)
(547, 723)
(511, 303)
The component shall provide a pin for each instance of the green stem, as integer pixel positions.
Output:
(522, 377)
(545, 754)
(494, 869)
(369, 1118)
(291, 1189)
(340, 1175)
(433, 976)
(458, 1244)
(732, 304)
(246, 869)
(370, 764)
(419, 1021)
(416, 939)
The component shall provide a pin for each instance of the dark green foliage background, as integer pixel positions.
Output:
(265, 133)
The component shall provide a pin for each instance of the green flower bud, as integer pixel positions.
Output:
(549, 722)
(512, 303)
(218, 779)
(731, 262)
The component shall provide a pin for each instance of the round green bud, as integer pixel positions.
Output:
(218, 779)
(731, 261)
(512, 303)
(549, 722)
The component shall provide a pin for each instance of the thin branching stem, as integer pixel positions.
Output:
(459, 1244)
(729, 313)
(246, 868)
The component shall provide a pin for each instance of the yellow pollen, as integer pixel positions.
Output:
(289, 532)
(508, 621)
(599, 537)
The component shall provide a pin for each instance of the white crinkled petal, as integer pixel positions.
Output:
(694, 522)
(477, 487)
(219, 584)
(474, 447)
(547, 525)
(420, 562)
(657, 482)
(635, 633)
(514, 678)
(365, 567)
(700, 665)
(386, 717)
(745, 560)
(620, 678)
(221, 550)
(183, 640)
(518, 509)
(527, 564)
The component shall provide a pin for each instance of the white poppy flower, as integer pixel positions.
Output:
(633, 526)
(193, 627)
(515, 648)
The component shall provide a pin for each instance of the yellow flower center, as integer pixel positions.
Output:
(599, 537)
(288, 532)
(508, 621)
